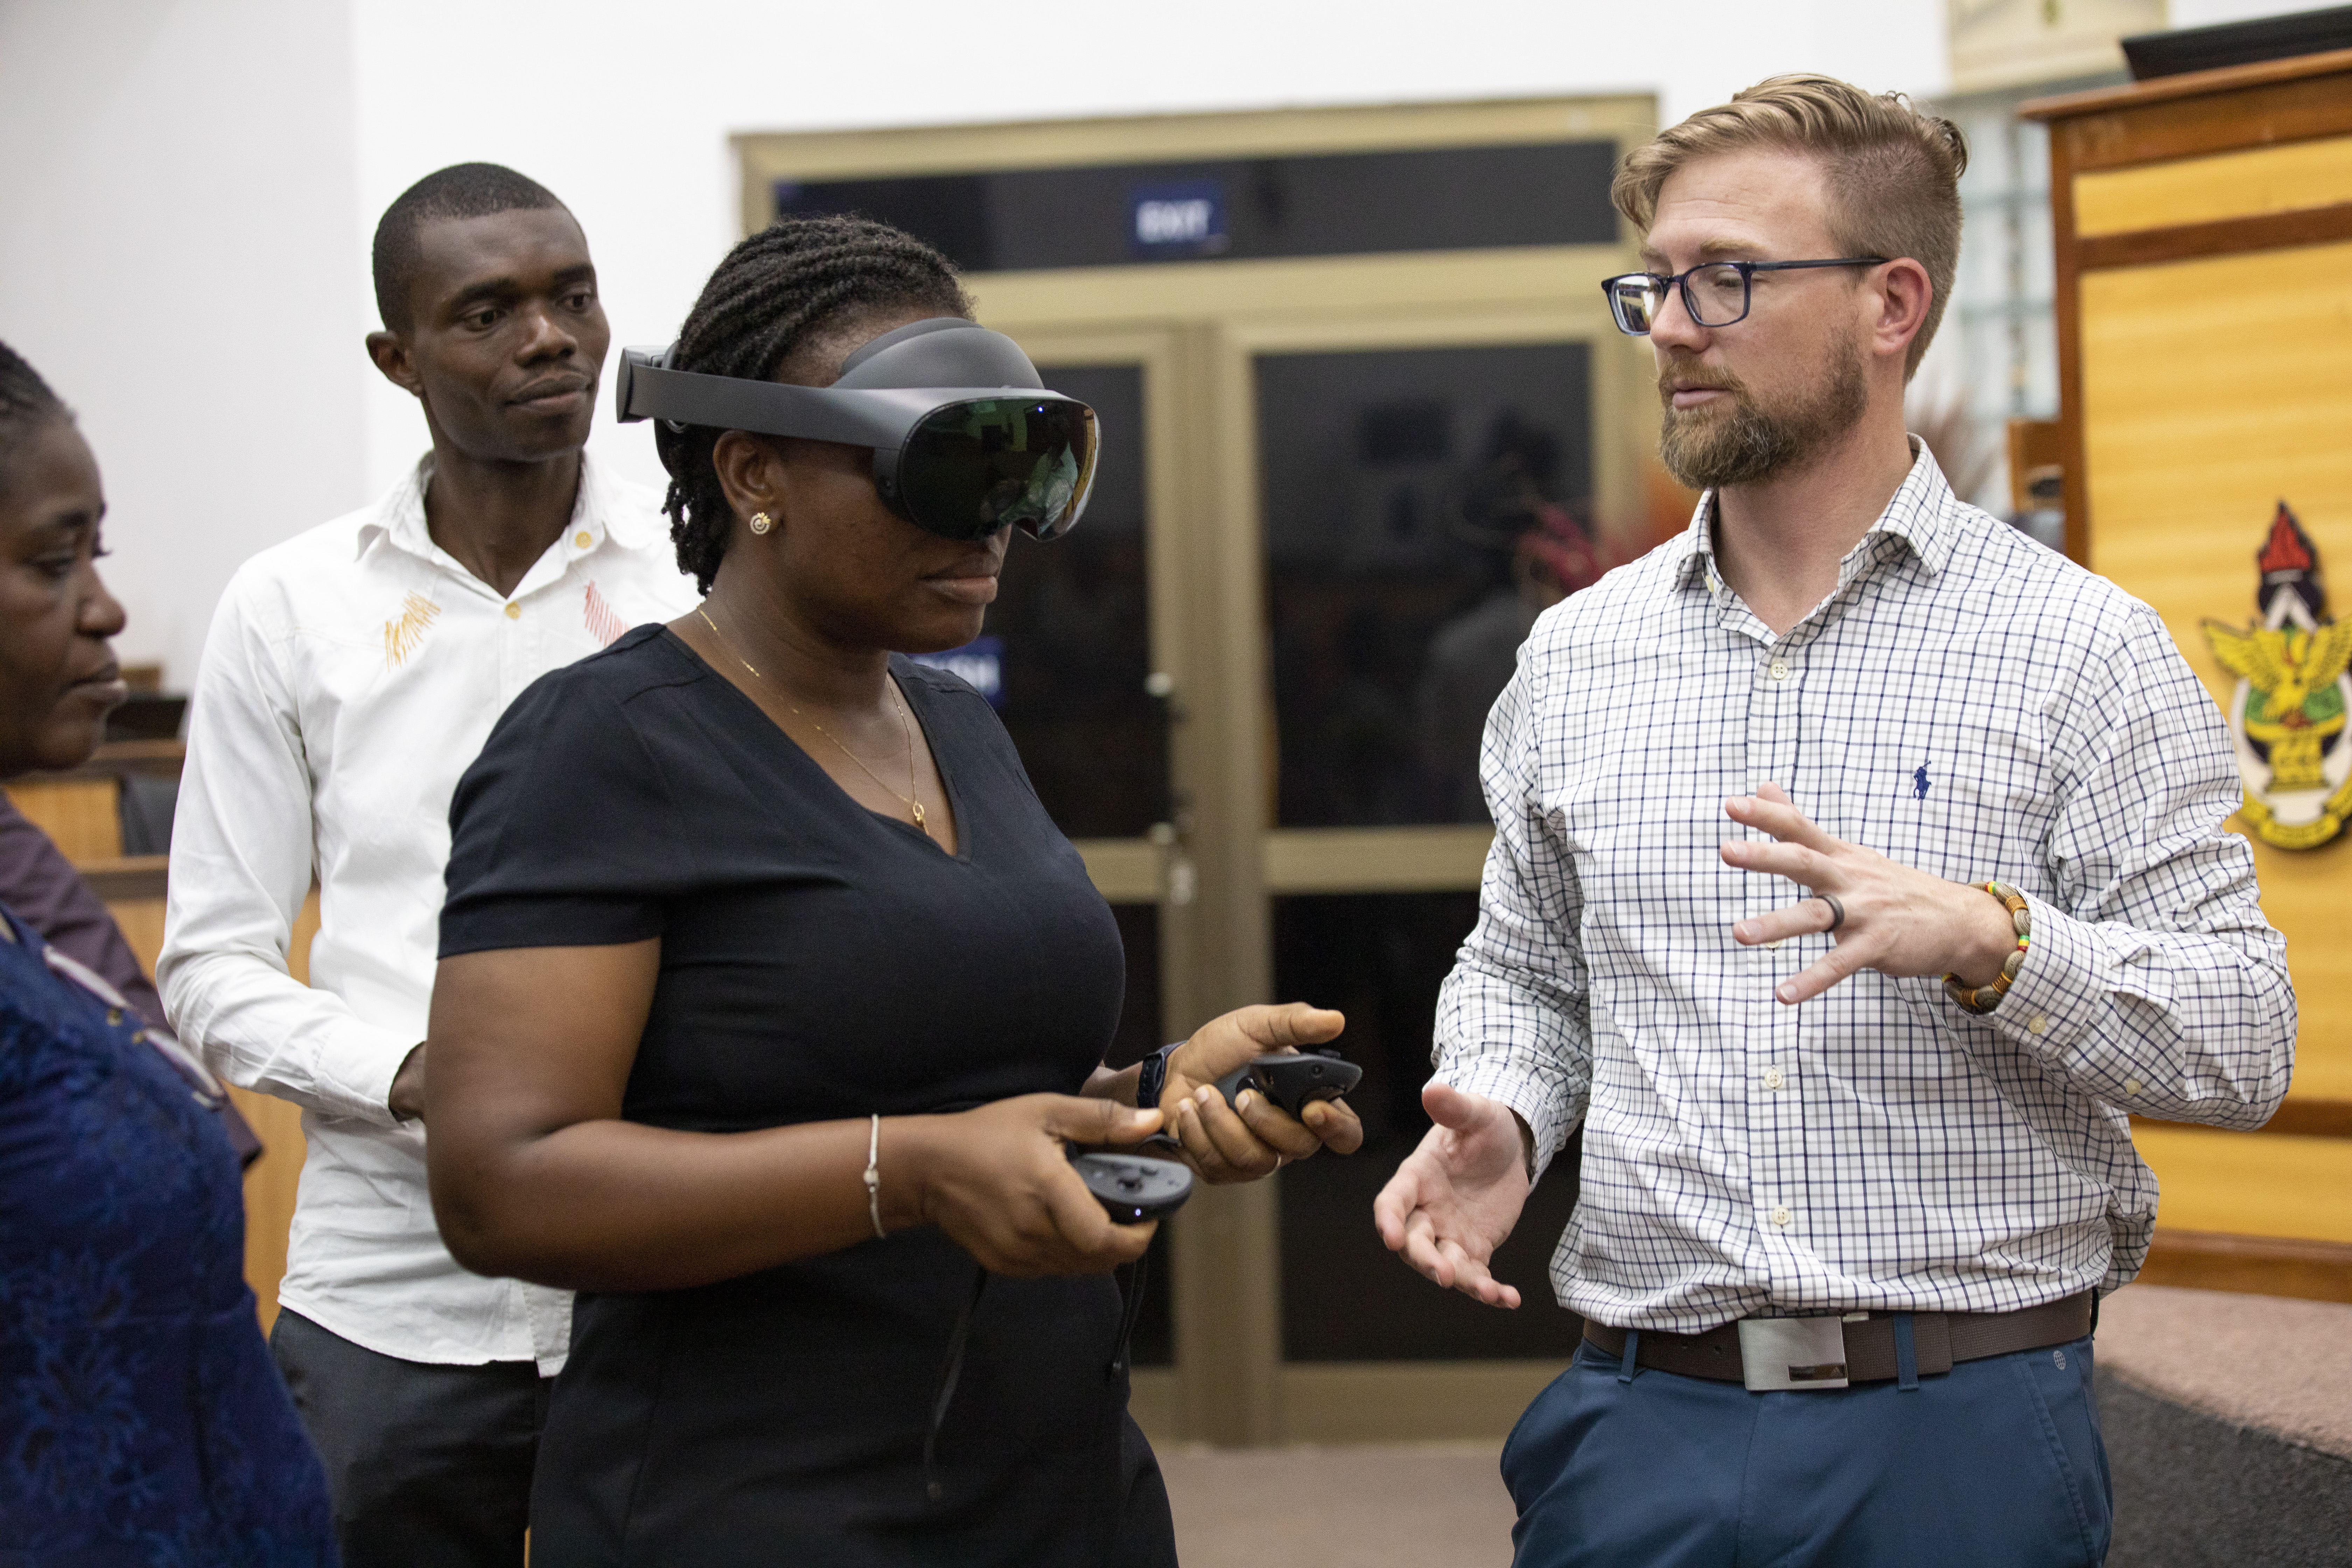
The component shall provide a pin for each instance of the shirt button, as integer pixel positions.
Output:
(2131, 1086)
(1780, 670)
(1779, 1216)
(2036, 1024)
(1772, 1079)
(114, 1014)
(514, 611)
(584, 539)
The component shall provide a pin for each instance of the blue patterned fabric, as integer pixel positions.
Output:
(140, 1418)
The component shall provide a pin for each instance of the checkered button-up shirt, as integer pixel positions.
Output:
(1970, 705)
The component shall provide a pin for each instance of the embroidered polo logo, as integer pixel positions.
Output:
(2287, 715)
(603, 624)
(401, 636)
(1919, 781)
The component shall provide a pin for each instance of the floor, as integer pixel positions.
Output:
(1383, 1506)
(2230, 1416)
(2258, 1362)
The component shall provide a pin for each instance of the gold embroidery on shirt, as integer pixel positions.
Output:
(401, 636)
(604, 624)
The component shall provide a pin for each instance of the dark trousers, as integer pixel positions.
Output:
(1997, 1462)
(428, 1464)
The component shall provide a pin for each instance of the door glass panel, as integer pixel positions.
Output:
(1070, 635)
(1380, 958)
(1422, 507)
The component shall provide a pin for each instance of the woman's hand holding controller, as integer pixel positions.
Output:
(999, 1181)
(1226, 1144)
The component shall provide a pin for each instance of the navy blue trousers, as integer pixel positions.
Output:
(1997, 1462)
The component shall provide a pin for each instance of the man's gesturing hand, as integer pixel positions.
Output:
(1898, 921)
(1457, 1197)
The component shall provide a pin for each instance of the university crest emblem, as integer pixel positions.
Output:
(2287, 715)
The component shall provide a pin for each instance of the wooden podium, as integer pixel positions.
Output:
(2203, 226)
(79, 811)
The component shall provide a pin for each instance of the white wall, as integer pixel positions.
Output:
(626, 118)
(177, 200)
(187, 186)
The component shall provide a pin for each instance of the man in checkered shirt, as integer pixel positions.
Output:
(1842, 1223)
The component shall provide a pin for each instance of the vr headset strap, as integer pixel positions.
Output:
(771, 407)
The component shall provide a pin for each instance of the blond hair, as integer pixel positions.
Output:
(1894, 174)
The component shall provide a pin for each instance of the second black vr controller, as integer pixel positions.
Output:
(1290, 1079)
(1133, 1188)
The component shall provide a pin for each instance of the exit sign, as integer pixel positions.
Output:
(1178, 219)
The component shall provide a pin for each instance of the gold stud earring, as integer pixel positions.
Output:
(762, 522)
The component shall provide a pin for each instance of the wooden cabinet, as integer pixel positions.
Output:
(78, 810)
(2203, 226)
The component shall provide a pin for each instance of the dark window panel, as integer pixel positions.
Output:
(1380, 958)
(1418, 504)
(1074, 616)
(1139, 1016)
(1453, 198)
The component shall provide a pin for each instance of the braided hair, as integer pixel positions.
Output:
(772, 294)
(26, 405)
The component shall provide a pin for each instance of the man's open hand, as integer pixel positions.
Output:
(1457, 1197)
(1898, 921)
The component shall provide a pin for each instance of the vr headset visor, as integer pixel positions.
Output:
(966, 439)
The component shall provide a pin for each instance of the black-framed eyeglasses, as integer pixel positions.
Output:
(1716, 293)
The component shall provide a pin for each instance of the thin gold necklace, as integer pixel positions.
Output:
(904, 727)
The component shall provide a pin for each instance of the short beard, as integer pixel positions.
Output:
(1709, 448)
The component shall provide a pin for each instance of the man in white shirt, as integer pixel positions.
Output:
(351, 676)
(1859, 871)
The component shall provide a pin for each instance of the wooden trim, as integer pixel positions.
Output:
(2066, 307)
(1124, 870)
(2313, 1119)
(129, 877)
(2250, 1265)
(2157, 133)
(2296, 1118)
(156, 758)
(1156, 1402)
(2188, 84)
(2223, 236)
(765, 156)
(1375, 860)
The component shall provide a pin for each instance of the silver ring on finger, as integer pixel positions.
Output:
(1837, 910)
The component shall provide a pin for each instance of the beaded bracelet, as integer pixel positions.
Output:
(1984, 998)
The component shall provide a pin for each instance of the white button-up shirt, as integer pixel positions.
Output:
(351, 676)
(1973, 706)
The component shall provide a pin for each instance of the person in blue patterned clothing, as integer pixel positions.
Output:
(142, 1420)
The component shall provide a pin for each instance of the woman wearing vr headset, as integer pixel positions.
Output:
(770, 1000)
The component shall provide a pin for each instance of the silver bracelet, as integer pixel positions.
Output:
(874, 1176)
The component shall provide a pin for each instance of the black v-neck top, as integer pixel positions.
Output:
(818, 960)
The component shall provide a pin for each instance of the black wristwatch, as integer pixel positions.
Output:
(1153, 1078)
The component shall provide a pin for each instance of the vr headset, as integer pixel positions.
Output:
(966, 439)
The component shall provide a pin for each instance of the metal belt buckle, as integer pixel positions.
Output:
(1800, 1353)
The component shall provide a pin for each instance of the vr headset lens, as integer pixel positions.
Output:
(969, 468)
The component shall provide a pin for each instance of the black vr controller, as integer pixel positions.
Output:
(1133, 1188)
(1290, 1079)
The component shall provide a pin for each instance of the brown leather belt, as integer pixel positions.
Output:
(1938, 1340)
